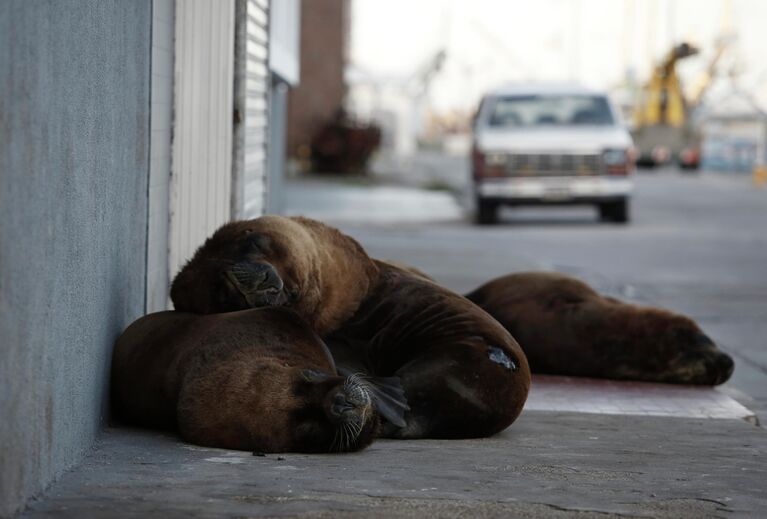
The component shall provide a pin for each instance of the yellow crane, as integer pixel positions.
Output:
(662, 131)
(663, 98)
(664, 128)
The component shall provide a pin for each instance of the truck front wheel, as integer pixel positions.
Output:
(487, 212)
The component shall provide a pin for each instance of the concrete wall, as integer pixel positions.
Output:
(74, 141)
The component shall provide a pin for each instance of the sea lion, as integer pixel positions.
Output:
(566, 328)
(314, 269)
(257, 380)
(463, 374)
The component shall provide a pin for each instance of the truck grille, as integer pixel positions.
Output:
(522, 164)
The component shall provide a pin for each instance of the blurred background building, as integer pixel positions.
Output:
(324, 52)
(423, 85)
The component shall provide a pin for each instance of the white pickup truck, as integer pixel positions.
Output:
(546, 144)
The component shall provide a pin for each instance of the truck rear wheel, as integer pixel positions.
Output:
(617, 211)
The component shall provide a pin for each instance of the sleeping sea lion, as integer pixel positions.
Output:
(314, 269)
(258, 380)
(567, 328)
(463, 374)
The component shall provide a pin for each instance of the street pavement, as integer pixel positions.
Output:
(697, 244)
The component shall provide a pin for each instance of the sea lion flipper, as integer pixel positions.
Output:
(388, 395)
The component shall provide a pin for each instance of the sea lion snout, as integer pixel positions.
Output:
(349, 414)
(720, 367)
(258, 283)
(341, 405)
(345, 403)
(709, 367)
(350, 403)
(717, 365)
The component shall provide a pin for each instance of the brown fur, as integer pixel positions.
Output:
(387, 320)
(408, 268)
(567, 328)
(325, 273)
(463, 374)
(253, 380)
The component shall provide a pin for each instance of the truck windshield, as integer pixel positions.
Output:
(556, 110)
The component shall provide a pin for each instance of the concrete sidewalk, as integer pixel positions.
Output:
(582, 448)
(345, 202)
(547, 464)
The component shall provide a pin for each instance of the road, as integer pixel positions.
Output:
(697, 244)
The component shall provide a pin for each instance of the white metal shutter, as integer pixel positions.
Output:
(252, 115)
(202, 138)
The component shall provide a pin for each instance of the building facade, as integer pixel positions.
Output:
(130, 131)
(324, 52)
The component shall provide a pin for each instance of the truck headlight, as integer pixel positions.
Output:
(614, 157)
(495, 159)
(618, 162)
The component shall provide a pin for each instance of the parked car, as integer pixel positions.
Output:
(544, 144)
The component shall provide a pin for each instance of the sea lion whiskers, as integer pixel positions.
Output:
(349, 436)
(336, 443)
(341, 441)
(356, 381)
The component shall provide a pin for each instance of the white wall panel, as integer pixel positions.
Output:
(202, 140)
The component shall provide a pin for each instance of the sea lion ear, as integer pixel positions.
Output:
(312, 375)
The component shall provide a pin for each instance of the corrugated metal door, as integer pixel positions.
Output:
(202, 139)
(251, 108)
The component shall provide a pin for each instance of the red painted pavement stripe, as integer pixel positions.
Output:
(585, 395)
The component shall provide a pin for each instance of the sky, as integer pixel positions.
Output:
(594, 42)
